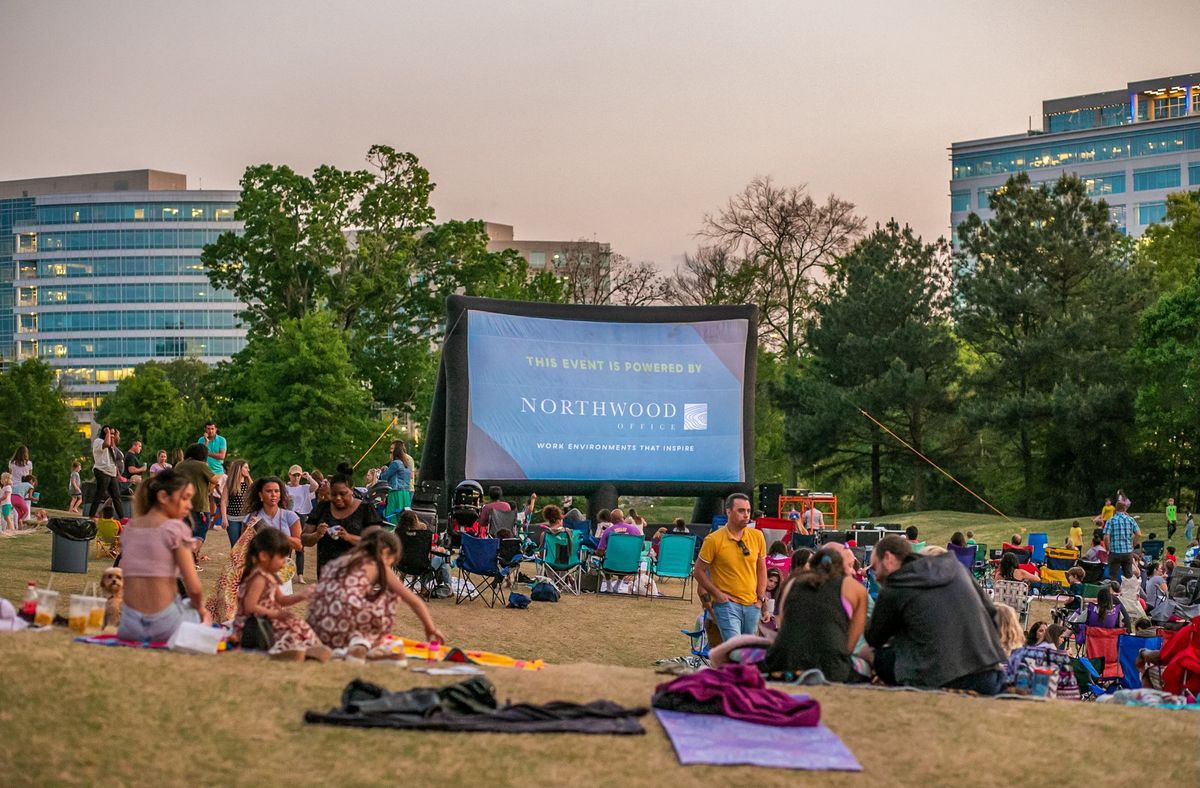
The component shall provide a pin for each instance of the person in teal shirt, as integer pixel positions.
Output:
(216, 463)
(398, 475)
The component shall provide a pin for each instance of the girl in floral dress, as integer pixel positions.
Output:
(259, 594)
(353, 607)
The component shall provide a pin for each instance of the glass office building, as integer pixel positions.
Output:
(1132, 147)
(103, 280)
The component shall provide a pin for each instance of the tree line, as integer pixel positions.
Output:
(1044, 360)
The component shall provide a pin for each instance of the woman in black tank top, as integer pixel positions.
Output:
(815, 626)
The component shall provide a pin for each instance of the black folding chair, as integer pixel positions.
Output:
(415, 563)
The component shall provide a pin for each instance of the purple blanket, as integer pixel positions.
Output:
(737, 691)
(720, 741)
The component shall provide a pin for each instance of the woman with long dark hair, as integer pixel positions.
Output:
(353, 608)
(20, 466)
(269, 507)
(156, 547)
(399, 477)
(336, 526)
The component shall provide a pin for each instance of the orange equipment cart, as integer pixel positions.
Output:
(808, 502)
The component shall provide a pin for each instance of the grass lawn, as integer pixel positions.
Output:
(82, 714)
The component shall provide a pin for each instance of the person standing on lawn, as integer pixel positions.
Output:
(1172, 518)
(732, 571)
(216, 463)
(1121, 535)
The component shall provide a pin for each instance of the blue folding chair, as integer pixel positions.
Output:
(675, 561)
(622, 557)
(479, 558)
(1038, 543)
(1128, 647)
(965, 555)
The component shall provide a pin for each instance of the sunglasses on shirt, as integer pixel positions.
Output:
(745, 550)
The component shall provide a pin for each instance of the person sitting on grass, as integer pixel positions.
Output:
(800, 560)
(1008, 629)
(353, 608)
(156, 547)
(1105, 612)
(1010, 569)
(260, 595)
(778, 558)
(823, 613)
(932, 625)
(1035, 633)
(1097, 551)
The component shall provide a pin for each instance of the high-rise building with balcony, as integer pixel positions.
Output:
(1132, 147)
(99, 273)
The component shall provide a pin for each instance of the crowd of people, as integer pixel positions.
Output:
(913, 615)
(929, 622)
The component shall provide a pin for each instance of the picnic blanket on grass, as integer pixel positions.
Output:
(722, 741)
(113, 640)
(420, 650)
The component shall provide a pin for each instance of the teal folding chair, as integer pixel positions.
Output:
(622, 558)
(674, 561)
(559, 560)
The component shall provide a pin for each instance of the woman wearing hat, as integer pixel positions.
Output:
(301, 487)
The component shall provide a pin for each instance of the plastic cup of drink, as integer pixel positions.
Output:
(46, 607)
(770, 606)
(77, 616)
(95, 618)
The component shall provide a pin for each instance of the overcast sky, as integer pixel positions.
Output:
(623, 121)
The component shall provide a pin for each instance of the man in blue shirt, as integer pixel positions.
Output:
(1121, 533)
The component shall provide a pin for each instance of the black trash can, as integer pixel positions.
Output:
(72, 542)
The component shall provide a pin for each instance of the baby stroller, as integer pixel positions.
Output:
(464, 509)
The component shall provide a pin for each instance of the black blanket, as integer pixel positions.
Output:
(471, 706)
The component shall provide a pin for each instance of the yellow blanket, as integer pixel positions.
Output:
(417, 649)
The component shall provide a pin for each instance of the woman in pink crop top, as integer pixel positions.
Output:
(156, 546)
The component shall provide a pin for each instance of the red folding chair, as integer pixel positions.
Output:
(1104, 643)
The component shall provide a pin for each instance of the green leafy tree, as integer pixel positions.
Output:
(293, 397)
(33, 414)
(881, 341)
(363, 245)
(146, 406)
(1166, 358)
(1170, 250)
(1047, 300)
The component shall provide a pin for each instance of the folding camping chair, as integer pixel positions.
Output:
(1053, 577)
(1102, 642)
(108, 537)
(622, 557)
(1093, 571)
(559, 560)
(416, 565)
(479, 558)
(775, 529)
(675, 561)
(1013, 593)
(1087, 674)
(498, 521)
(1152, 549)
(1128, 648)
(965, 555)
(1060, 559)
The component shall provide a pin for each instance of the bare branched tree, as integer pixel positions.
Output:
(713, 275)
(791, 240)
(596, 275)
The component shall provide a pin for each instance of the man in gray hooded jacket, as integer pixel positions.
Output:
(932, 625)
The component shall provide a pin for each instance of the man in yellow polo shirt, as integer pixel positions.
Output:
(733, 571)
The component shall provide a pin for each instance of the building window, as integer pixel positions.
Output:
(960, 201)
(1151, 212)
(537, 259)
(1194, 174)
(1117, 214)
(984, 197)
(1114, 115)
(1170, 107)
(1157, 178)
(1106, 183)
(1074, 120)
